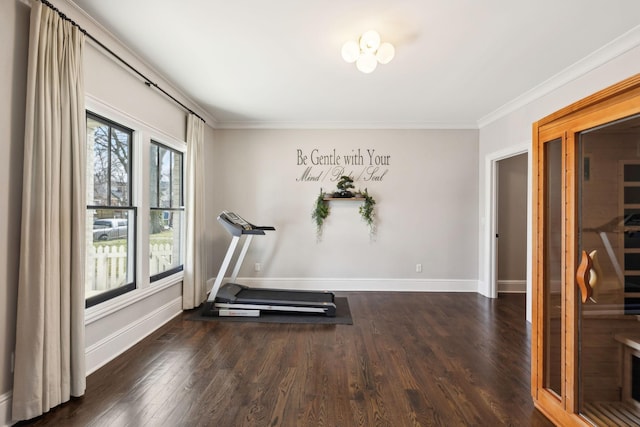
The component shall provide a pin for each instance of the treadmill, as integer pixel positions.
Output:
(233, 299)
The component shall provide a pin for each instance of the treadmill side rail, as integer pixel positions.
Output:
(328, 310)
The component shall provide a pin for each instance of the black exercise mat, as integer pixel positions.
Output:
(342, 317)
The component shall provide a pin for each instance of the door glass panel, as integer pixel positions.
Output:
(609, 224)
(553, 266)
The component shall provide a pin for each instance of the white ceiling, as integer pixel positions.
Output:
(252, 63)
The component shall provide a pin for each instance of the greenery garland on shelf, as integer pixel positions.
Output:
(367, 211)
(321, 209)
(320, 213)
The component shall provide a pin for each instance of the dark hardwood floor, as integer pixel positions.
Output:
(409, 359)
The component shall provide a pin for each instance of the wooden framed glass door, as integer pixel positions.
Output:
(586, 267)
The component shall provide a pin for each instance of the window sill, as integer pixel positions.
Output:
(107, 308)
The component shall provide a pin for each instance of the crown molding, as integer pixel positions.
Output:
(608, 52)
(342, 125)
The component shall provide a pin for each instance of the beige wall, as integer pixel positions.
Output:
(425, 205)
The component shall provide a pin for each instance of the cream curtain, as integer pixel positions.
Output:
(194, 284)
(49, 354)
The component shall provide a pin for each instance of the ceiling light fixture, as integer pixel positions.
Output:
(367, 52)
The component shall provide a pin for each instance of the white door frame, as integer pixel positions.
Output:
(491, 213)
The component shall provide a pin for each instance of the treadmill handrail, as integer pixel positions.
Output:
(236, 226)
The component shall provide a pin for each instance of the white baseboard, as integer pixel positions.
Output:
(5, 409)
(107, 349)
(337, 285)
(512, 286)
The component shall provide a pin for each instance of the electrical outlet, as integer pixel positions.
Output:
(418, 268)
(257, 267)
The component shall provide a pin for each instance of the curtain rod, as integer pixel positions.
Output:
(147, 81)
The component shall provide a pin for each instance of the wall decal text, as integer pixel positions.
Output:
(359, 164)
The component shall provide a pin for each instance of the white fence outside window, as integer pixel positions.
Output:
(109, 266)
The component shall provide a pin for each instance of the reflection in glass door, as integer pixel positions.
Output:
(609, 248)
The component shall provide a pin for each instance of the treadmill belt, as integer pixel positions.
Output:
(283, 295)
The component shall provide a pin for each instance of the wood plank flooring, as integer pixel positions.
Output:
(409, 359)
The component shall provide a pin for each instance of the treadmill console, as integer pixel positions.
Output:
(236, 225)
(236, 219)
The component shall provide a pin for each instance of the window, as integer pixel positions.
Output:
(111, 215)
(166, 207)
(135, 207)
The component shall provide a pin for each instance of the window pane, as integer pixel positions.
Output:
(97, 162)
(110, 233)
(165, 241)
(165, 178)
(108, 163)
(110, 250)
(153, 170)
(166, 187)
(120, 143)
(167, 213)
(176, 187)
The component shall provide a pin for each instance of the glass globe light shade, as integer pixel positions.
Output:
(367, 62)
(350, 51)
(385, 53)
(369, 41)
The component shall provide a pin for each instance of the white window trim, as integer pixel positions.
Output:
(113, 305)
(143, 134)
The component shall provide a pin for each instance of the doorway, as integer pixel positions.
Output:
(490, 242)
(511, 224)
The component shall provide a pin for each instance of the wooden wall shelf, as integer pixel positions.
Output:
(353, 199)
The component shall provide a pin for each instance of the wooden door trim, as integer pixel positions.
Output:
(597, 99)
